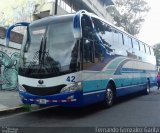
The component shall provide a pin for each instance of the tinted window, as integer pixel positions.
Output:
(135, 44)
(142, 47)
(108, 36)
(94, 44)
(147, 50)
(152, 52)
(105, 33)
(51, 51)
(88, 51)
(116, 37)
(127, 40)
(87, 28)
(120, 38)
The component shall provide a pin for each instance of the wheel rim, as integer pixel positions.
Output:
(148, 89)
(109, 96)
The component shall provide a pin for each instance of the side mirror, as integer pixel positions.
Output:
(8, 32)
(77, 32)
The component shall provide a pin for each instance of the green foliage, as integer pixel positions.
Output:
(157, 53)
(27, 107)
(129, 14)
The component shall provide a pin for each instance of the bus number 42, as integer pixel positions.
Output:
(70, 79)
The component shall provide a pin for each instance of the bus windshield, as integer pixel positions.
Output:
(49, 50)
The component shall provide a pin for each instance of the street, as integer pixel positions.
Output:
(133, 111)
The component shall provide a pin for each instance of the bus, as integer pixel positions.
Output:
(80, 59)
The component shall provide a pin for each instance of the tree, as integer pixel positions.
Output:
(17, 11)
(129, 14)
(156, 49)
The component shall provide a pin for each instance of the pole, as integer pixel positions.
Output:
(56, 4)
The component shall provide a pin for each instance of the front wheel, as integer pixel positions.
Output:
(109, 96)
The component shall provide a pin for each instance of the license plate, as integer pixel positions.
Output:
(42, 101)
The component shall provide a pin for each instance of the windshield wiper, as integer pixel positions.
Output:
(42, 51)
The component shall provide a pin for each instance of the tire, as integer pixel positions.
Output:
(147, 90)
(109, 96)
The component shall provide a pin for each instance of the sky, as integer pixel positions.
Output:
(150, 31)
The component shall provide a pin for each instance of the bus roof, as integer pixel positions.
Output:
(58, 18)
(52, 19)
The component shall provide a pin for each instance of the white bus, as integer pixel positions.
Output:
(80, 59)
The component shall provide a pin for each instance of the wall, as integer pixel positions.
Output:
(9, 58)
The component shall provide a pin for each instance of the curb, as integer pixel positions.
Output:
(12, 111)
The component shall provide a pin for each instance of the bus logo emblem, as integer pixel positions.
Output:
(40, 81)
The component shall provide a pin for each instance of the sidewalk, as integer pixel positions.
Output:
(9, 101)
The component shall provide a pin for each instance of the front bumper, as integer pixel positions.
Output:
(63, 99)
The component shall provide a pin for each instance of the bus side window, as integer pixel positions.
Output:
(88, 53)
(147, 49)
(105, 33)
(121, 42)
(94, 45)
(152, 52)
(135, 44)
(99, 56)
(130, 42)
(142, 48)
(87, 28)
(127, 41)
(116, 37)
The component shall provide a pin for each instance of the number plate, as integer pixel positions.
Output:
(42, 101)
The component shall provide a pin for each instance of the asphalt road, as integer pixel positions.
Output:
(133, 111)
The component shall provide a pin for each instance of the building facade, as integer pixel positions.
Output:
(47, 8)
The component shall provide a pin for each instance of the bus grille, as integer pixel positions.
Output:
(44, 91)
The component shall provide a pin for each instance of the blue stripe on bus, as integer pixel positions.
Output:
(119, 69)
(133, 70)
(94, 92)
(99, 96)
(98, 85)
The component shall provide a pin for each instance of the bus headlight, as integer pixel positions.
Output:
(21, 88)
(72, 87)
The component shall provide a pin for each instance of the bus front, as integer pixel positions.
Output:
(49, 71)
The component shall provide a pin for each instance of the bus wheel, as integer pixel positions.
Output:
(147, 90)
(109, 96)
